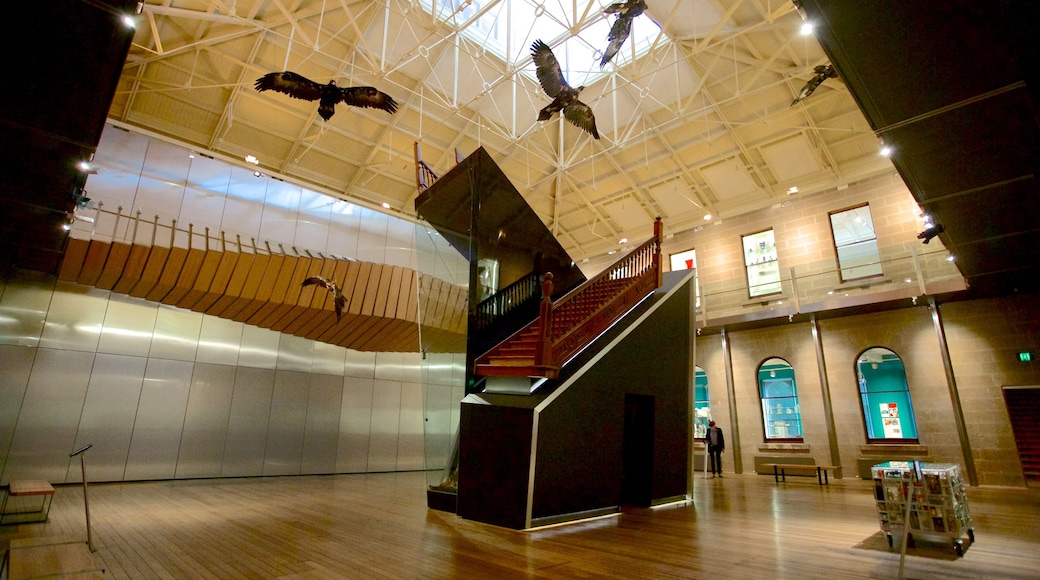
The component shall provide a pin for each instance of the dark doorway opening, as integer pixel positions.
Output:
(1023, 406)
(637, 460)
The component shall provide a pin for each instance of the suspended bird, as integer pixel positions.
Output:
(823, 72)
(339, 301)
(626, 12)
(564, 97)
(301, 87)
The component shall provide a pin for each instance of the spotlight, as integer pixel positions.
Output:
(931, 232)
(807, 28)
(886, 151)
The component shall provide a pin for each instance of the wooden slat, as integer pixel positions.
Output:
(311, 302)
(291, 308)
(133, 270)
(245, 282)
(236, 283)
(271, 297)
(170, 273)
(264, 285)
(349, 281)
(218, 286)
(203, 279)
(153, 269)
(286, 292)
(186, 277)
(118, 254)
(94, 263)
(72, 260)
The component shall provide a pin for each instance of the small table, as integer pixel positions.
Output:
(27, 488)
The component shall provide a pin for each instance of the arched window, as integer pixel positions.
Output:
(701, 404)
(781, 416)
(885, 396)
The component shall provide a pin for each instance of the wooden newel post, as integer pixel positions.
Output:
(543, 355)
(658, 235)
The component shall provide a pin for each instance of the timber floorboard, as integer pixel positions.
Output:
(378, 526)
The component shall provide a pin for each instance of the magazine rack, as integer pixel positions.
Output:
(938, 506)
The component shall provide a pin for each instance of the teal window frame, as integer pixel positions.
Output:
(778, 393)
(883, 387)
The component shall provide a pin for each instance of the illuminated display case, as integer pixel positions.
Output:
(938, 506)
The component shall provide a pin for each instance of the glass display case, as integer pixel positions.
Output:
(930, 496)
(760, 260)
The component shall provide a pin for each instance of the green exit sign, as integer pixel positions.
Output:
(1025, 356)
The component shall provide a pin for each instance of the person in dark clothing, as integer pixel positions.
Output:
(716, 445)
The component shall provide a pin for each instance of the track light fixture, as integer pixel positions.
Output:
(931, 232)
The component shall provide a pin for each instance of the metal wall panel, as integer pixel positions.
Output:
(15, 366)
(288, 423)
(400, 243)
(389, 366)
(328, 359)
(244, 205)
(259, 347)
(386, 419)
(160, 420)
(372, 236)
(204, 194)
(343, 229)
(176, 334)
(360, 364)
(220, 341)
(161, 188)
(23, 307)
(247, 422)
(312, 223)
(107, 420)
(74, 318)
(128, 326)
(355, 425)
(438, 439)
(295, 353)
(322, 428)
(46, 430)
(410, 429)
(206, 421)
(281, 204)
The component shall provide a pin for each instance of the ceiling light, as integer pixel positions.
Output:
(610, 253)
(707, 217)
(253, 160)
(386, 205)
(257, 174)
(807, 28)
(950, 258)
(886, 151)
(128, 21)
(623, 241)
(792, 190)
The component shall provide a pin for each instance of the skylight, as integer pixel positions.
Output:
(507, 28)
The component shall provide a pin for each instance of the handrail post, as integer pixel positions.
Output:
(658, 230)
(543, 355)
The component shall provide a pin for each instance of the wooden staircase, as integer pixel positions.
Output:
(565, 327)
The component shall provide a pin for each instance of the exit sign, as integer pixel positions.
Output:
(1025, 356)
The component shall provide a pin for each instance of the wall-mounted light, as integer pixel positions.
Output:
(930, 233)
(807, 28)
(886, 151)
(951, 258)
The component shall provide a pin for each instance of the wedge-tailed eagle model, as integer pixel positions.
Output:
(626, 12)
(823, 72)
(339, 301)
(565, 97)
(301, 87)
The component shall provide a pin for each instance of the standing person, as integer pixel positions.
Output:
(716, 445)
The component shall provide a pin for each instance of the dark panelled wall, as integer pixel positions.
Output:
(581, 434)
(494, 464)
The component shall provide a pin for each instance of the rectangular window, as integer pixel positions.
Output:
(855, 243)
(763, 269)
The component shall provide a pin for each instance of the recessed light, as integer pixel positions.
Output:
(707, 217)
(807, 28)
(886, 151)
(792, 190)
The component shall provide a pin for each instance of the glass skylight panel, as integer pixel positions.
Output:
(507, 28)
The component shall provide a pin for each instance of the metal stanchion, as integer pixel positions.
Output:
(86, 505)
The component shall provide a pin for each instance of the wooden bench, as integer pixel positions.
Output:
(27, 488)
(780, 470)
(51, 557)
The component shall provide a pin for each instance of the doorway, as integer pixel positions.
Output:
(637, 459)
(1023, 406)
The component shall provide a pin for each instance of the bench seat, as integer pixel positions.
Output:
(780, 470)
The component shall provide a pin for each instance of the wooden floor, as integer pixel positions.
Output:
(378, 526)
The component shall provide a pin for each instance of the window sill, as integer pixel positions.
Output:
(890, 448)
(786, 447)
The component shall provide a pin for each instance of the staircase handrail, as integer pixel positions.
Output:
(506, 300)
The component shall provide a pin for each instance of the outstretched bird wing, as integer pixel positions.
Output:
(550, 75)
(338, 301)
(580, 114)
(622, 27)
(368, 97)
(823, 72)
(290, 83)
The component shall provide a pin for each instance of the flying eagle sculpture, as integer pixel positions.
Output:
(626, 12)
(823, 72)
(339, 301)
(301, 87)
(565, 97)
